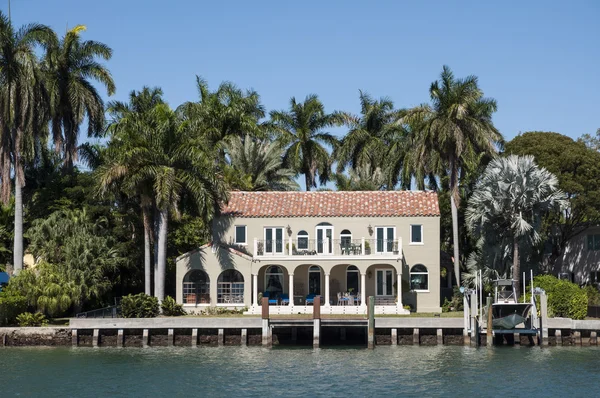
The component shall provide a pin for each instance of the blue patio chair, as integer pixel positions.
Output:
(310, 298)
(273, 300)
(285, 299)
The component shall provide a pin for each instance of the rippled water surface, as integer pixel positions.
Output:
(258, 372)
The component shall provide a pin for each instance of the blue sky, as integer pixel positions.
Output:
(539, 59)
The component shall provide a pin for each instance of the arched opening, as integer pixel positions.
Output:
(302, 240)
(346, 242)
(196, 287)
(352, 279)
(314, 280)
(419, 278)
(230, 287)
(274, 281)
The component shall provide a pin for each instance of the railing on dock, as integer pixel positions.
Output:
(114, 311)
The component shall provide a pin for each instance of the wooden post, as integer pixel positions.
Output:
(474, 321)
(120, 338)
(489, 339)
(74, 339)
(145, 338)
(416, 336)
(440, 337)
(543, 319)
(194, 337)
(371, 330)
(221, 337)
(96, 338)
(558, 336)
(171, 338)
(394, 336)
(317, 322)
(317, 307)
(265, 308)
(244, 337)
(265, 322)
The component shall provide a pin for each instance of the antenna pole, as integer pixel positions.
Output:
(9, 10)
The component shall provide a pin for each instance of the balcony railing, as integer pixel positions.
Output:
(327, 247)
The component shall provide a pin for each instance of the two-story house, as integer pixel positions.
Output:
(342, 246)
(580, 261)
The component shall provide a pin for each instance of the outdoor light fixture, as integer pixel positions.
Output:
(370, 229)
(289, 230)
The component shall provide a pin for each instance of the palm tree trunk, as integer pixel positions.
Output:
(516, 274)
(162, 253)
(147, 250)
(155, 231)
(18, 237)
(455, 239)
(307, 180)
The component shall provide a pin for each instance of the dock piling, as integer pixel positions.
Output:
(558, 336)
(265, 322)
(371, 330)
(244, 337)
(96, 338)
(194, 337)
(394, 336)
(145, 338)
(440, 337)
(221, 337)
(544, 319)
(489, 340)
(577, 338)
(74, 339)
(317, 322)
(120, 338)
(416, 336)
(593, 338)
(170, 338)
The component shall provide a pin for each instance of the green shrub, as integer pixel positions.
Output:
(565, 299)
(171, 308)
(455, 303)
(28, 319)
(139, 306)
(592, 294)
(11, 305)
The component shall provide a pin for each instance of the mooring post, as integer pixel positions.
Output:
(145, 338)
(96, 338)
(4, 340)
(558, 336)
(265, 322)
(474, 321)
(371, 330)
(394, 336)
(221, 336)
(544, 319)
(74, 339)
(120, 338)
(317, 322)
(593, 338)
(170, 338)
(194, 337)
(489, 339)
(416, 336)
(440, 337)
(577, 337)
(244, 337)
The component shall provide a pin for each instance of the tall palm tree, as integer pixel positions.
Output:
(171, 159)
(509, 203)
(22, 111)
(258, 166)
(361, 179)
(300, 130)
(69, 66)
(453, 130)
(368, 139)
(129, 123)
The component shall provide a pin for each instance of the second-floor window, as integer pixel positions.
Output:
(274, 240)
(302, 238)
(240, 235)
(416, 234)
(385, 239)
(593, 242)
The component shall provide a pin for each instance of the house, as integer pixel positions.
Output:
(580, 261)
(342, 246)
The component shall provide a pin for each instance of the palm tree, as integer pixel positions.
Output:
(361, 179)
(258, 166)
(131, 122)
(171, 160)
(22, 111)
(300, 130)
(508, 205)
(69, 65)
(368, 139)
(453, 130)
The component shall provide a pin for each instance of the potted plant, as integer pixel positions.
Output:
(367, 248)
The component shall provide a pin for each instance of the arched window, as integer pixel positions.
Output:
(419, 278)
(314, 280)
(346, 242)
(302, 240)
(352, 279)
(230, 287)
(274, 281)
(196, 287)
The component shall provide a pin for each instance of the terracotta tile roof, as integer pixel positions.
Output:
(333, 204)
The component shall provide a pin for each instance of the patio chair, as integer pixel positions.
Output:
(342, 300)
(273, 300)
(310, 298)
(285, 299)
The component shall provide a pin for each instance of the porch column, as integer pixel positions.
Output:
(326, 290)
(255, 289)
(362, 289)
(399, 290)
(291, 290)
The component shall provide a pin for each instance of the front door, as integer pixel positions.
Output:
(384, 281)
(325, 239)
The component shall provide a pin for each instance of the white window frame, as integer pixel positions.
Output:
(385, 228)
(393, 276)
(307, 236)
(282, 273)
(422, 242)
(274, 252)
(410, 274)
(245, 235)
(331, 241)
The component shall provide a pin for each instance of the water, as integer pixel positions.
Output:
(258, 372)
